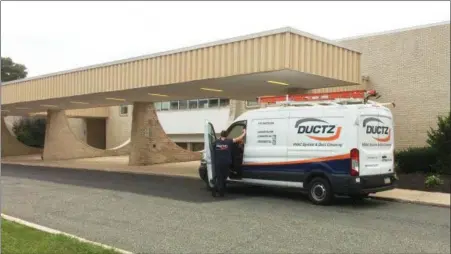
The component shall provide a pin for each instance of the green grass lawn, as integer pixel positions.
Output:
(17, 238)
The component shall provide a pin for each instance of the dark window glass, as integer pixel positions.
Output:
(203, 103)
(193, 104)
(183, 104)
(213, 103)
(174, 105)
(123, 110)
(224, 102)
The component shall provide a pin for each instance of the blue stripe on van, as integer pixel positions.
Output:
(340, 166)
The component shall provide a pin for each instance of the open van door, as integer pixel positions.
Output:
(209, 140)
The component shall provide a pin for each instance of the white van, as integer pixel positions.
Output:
(323, 148)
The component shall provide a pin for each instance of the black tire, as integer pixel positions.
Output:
(320, 191)
(203, 173)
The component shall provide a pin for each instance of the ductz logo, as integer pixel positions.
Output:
(377, 129)
(318, 129)
(221, 147)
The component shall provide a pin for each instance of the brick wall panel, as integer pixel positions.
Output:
(410, 68)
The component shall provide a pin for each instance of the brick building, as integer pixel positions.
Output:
(410, 67)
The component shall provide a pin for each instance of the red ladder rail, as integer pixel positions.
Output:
(355, 94)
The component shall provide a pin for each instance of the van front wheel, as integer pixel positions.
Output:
(320, 192)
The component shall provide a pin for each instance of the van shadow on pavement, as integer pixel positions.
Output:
(296, 195)
(172, 187)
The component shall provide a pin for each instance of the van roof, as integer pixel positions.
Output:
(288, 108)
(319, 105)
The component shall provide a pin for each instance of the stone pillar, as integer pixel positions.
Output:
(236, 109)
(62, 144)
(149, 143)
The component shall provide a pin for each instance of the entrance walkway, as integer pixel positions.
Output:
(112, 163)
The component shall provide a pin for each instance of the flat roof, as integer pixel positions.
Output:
(400, 30)
(184, 49)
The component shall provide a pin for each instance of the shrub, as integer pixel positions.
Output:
(432, 181)
(440, 140)
(30, 131)
(416, 160)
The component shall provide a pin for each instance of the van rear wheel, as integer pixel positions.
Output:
(320, 192)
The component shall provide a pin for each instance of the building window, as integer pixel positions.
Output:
(252, 104)
(192, 104)
(165, 106)
(224, 102)
(197, 147)
(203, 103)
(183, 104)
(157, 106)
(183, 145)
(174, 105)
(123, 110)
(213, 103)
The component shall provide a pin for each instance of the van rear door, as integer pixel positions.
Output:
(386, 141)
(369, 150)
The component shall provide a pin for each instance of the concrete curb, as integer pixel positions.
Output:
(107, 170)
(410, 201)
(56, 232)
(197, 177)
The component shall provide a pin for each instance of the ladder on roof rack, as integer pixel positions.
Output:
(324, 99)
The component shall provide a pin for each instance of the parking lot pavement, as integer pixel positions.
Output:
(163, 214)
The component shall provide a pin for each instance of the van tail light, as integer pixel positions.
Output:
(354, 162)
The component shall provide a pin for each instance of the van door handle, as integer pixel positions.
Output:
(384, 157)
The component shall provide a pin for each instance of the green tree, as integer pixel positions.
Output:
(440, 140)
(30, 131)
(12, 71)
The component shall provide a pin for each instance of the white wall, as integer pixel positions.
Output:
(78, 127)
(192, 121)
(180, 125)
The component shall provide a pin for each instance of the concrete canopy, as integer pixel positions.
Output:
(268, 63)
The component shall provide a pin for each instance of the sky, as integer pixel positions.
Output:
(54, 36)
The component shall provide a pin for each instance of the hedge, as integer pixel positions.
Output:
(436, 158)
(416, 160)
(30, 131)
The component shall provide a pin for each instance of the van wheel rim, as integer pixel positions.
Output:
(318, 192)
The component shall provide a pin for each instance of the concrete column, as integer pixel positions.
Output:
(236, 109)
(149, 143)
(189, 146)
(62, 144)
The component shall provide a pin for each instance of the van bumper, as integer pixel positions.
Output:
(358, 185)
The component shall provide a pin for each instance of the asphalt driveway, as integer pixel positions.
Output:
(162, 214)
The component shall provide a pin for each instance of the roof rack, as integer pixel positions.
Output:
(323, 99)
